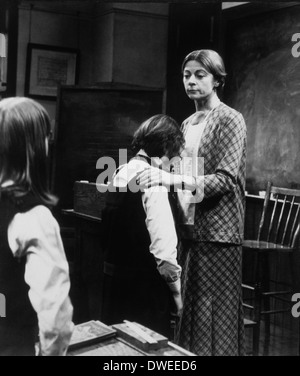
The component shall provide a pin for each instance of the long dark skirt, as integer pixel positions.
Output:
(212, 320)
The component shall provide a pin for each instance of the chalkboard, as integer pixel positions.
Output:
(264, 85)
(92, 123)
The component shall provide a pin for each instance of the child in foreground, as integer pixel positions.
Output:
(34, 273)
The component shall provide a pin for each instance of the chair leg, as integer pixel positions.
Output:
(257, 319)
(267, 306)
(267, 332)
(257, 303)
(298, 338)
(255, 339)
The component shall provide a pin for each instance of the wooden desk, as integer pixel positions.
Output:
(87, 274)
(118, 347)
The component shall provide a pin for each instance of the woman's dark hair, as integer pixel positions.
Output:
(24, 128)
(158, 136)
(211, 61)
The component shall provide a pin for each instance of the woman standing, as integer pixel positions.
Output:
(213, 209)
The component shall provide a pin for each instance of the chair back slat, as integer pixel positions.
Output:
(280, 219)
(265, 207)
(293, 239)
(272, 219)
(285, 191)
(296, 236)
(288, 220)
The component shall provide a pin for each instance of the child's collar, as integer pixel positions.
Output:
(7, 183)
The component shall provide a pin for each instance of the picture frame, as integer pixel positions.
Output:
(47, 68)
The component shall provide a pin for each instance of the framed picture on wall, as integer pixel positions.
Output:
(49, 67)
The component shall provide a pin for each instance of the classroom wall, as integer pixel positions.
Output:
(103, 47)
(140, 48)
(263, 84)
(131, 44)
(113, 39)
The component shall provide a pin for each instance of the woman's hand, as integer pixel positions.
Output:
(153, 176)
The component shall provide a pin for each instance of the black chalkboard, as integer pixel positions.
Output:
(264, 85)
(92, 123)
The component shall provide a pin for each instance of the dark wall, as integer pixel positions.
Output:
(263, 84)
(191, 27)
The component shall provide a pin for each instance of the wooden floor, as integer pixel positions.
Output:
(283, 342)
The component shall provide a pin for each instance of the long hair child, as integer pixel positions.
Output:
(34, 273)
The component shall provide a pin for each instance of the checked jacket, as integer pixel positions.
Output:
(219, 217)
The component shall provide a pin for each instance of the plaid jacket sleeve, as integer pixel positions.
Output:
(222, 166)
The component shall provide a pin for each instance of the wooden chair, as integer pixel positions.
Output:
(278, 234)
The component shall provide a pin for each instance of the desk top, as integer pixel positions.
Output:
(72, 212)
(94, 338)
(255, 196)
(116, 346)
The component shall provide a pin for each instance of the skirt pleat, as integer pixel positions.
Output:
(212, 320)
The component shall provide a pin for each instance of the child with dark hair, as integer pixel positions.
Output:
(142, 276)
(34, 273)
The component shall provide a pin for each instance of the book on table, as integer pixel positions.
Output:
(140, 336)
(89, 333)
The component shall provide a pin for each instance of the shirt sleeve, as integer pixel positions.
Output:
(36, 235)
(161, 228)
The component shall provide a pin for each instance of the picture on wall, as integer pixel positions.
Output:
(49, 67)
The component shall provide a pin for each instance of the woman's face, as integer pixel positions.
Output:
(199, 84)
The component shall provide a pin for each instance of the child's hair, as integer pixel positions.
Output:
(158, 136)
(24, 128)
